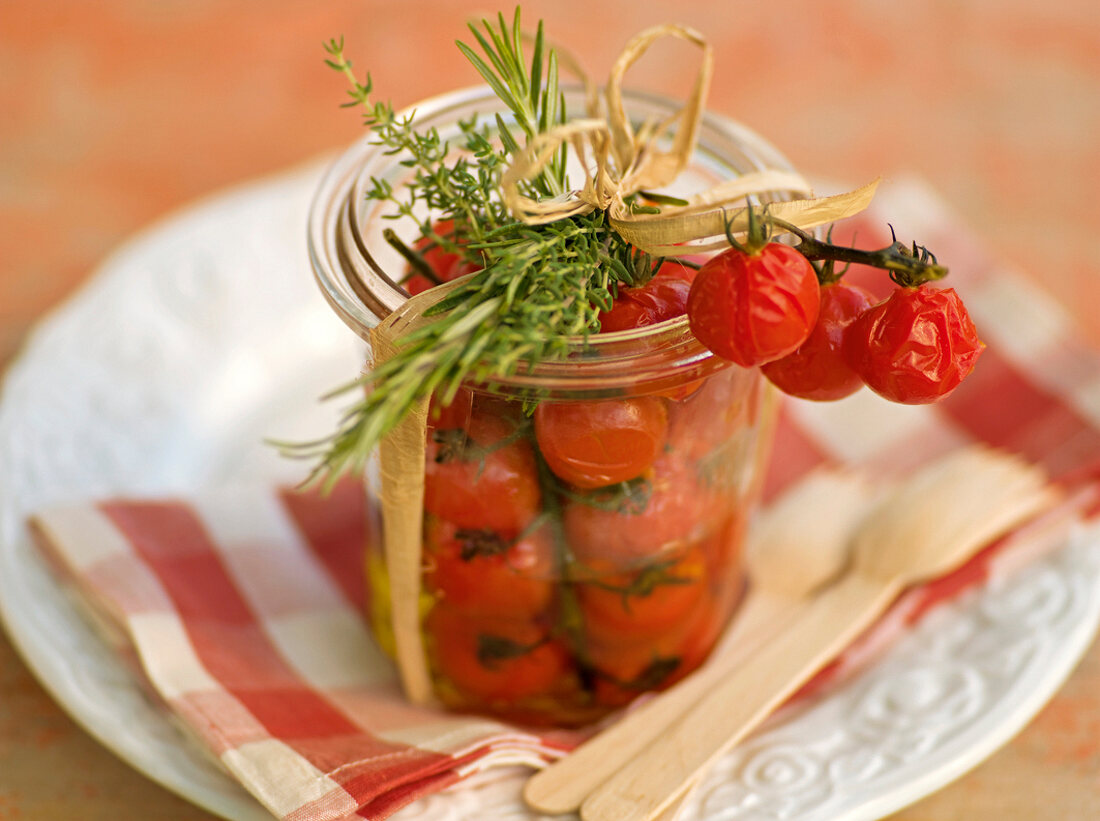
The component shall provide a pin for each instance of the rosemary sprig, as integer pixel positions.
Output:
(538, 284)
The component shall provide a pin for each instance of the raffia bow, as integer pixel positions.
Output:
(628, 162)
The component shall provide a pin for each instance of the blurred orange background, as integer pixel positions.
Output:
(116, 112)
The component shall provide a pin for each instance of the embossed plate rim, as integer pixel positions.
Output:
(166, 283)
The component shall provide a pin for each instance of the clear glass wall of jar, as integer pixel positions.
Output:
(550, 595)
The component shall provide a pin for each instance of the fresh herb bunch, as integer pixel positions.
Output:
(538, 285)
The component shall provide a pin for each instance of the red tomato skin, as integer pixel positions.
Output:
(678, 649)
(613, 615)
(490, 485)
(818, 370)
(915, 347)
(441, 261)
(663, 297)
(455, 638)
(453, 416)
(754, 308)
(516, 582)
(595, 444)
(711, 416)
(671, 519)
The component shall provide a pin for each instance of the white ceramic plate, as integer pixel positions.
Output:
(206, 334)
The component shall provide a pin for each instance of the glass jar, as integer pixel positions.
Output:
(553, 592)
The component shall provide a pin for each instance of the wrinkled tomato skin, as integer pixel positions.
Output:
(754, 308)
(818, 370)
(456, 639)
(487, 482)
(595, 444)
(915, 347)
(663, 297)
(666, 521)
(477, 572)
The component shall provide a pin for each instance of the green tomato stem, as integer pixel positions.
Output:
(907, 266)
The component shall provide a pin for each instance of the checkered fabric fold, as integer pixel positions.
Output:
(242, 609)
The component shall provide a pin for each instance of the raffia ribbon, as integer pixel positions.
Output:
(401, 457)
(625, 163)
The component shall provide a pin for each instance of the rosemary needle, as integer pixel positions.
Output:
(536, 285)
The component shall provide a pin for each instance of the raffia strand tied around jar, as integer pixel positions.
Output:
(625, 162)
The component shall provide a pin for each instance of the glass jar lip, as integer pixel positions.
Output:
(361, 293)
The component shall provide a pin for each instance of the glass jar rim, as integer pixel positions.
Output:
(360, 291)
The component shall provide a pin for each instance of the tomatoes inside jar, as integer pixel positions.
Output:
(583, 516)
(580, 552)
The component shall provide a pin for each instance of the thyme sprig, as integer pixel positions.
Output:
(538, 285)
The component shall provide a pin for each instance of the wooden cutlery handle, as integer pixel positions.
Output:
(562, 786)
(738, 702)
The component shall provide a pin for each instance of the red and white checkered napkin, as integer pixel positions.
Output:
(243, 609)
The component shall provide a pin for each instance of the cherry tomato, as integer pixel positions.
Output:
(753, 308)
(817, 369)
(663, 297)
(594, 444)
(628, 526)
(624, 670)
(491, 659)
(482, 476)
(447, 265)
(477, 571)
(454, 415)
(722, 549)
(711, 417)
(636, 606)
(915, 347)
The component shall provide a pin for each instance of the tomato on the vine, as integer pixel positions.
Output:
(487, 658)
(663, 297)
(817, 369)
(478, 571)
(482, 476)
(594, 444)
(915, 347)
(752, 308)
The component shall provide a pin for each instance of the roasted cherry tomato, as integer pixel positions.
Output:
(478, 571)
(644, 603)
(754, 308)
(594, 444)
(915, 347)
(663, 297)
(482, 477)
(630, 525)
(489, 659)
(817, 369)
